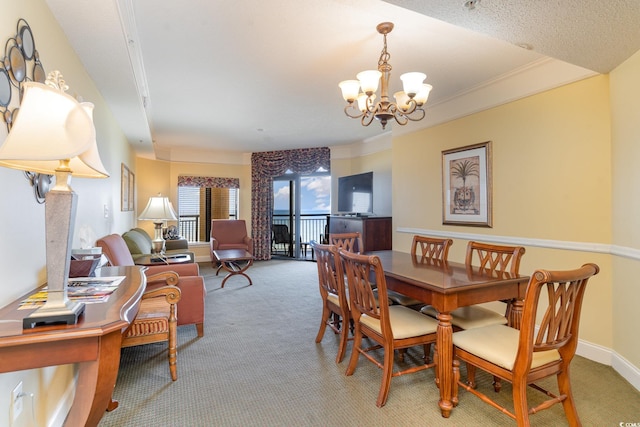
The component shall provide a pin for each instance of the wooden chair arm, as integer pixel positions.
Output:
(171, 293)
(170, 277)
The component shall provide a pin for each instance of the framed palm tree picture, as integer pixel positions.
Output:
(466, 185)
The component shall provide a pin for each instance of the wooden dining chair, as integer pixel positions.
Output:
(526, 356)
(156, 320)
(489, 258)
(430, 248)
(423, 248)
(391, 327)
(351, 242)
(335, 304)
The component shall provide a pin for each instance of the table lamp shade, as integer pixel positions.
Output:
(51, 126)
(158, 209)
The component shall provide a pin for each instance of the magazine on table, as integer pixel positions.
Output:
(86, 289)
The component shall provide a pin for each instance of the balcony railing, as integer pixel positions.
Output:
(189, 226)
(312, 227)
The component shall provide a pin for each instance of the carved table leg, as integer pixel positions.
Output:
(444, 342)
(515, 314)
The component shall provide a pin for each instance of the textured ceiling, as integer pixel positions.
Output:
(199, 76)
(594, 34)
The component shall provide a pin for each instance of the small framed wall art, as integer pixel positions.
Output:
(467, 186)
(127, 190)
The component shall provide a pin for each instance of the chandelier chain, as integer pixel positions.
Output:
(385, 56)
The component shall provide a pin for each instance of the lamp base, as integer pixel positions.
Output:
(54, 314)
(157, 247)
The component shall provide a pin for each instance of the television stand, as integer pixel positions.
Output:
(375, 230)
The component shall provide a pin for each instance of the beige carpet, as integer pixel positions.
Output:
(258, 365)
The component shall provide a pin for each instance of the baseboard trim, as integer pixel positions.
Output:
(608, 357)
(61, 411)
(626, 370)
(594, 352)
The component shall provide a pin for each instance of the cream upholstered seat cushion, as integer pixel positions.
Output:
(405, 323)
(499, 345)
(334, 299)
(470, 317)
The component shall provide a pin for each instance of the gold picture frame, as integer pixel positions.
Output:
(127, 190)
(467, 186)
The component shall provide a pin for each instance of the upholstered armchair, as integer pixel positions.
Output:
(191, 284)
(229, 234)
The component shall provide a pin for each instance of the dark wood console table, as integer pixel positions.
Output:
(375, 230)
(93, 343)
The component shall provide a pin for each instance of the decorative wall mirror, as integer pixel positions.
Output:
(20, 64)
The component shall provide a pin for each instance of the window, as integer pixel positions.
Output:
(201, 199)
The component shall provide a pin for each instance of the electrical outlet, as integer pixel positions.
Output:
(106, 211)
(16, 402)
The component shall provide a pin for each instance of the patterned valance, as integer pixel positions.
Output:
(302, 161)
(207, 182)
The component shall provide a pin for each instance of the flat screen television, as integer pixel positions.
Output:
(355, 194)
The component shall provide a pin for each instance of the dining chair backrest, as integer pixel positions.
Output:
(364, 273)
(335, 305)
(433, 248)
(495, 257)
(351, 242)
(558, 326)
(330, 272)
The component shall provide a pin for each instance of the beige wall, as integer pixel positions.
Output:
(625, 112)
(23, 244)
(551, 186)
(379, 162)
(158, 176)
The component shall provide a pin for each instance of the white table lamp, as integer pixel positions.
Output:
(54, 134)
(158, 210)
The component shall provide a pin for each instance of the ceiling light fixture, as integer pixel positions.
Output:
(408, 105)
(471, 4)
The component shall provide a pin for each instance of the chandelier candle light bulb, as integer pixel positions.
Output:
(408, 103)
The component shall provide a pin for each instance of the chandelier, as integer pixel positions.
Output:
(408, 103)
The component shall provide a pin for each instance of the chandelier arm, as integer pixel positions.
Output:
(352, 106)
(412, 106)
(416, 118)
(401, 119)
(367, 119)
(372, 108)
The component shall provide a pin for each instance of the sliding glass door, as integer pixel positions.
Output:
(301, 203)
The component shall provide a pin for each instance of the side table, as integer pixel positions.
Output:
(235, 261)
(162, 259)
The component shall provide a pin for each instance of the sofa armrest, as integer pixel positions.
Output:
(191, 305)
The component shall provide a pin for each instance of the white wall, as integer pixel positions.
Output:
(22, 246)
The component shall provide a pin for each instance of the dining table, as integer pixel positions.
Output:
(447, 286)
